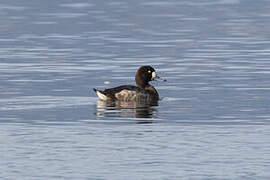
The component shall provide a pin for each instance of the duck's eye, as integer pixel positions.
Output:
(149, 71)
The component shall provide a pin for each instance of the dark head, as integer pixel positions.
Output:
(146, 74)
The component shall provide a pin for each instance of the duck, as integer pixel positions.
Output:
(142, 92)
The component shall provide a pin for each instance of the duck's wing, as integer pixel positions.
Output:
(122, 93)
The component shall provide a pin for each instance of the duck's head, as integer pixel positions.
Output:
(146, 74)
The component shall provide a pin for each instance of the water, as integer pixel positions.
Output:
(213, 120)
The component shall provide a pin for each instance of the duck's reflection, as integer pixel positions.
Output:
(125, 109)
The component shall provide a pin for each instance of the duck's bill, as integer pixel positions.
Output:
(155, 77)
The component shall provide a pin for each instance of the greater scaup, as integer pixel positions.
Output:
(143, 92)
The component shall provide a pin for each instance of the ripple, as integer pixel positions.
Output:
(63, 15)
(43, 102)
(12, 7)
(77, 5)
(190, 3)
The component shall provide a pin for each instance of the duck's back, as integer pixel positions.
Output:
(127, 93)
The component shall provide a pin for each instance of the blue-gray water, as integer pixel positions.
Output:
(213, 121)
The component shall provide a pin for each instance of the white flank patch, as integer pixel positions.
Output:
(102, 96)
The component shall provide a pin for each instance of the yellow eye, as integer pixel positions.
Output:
(149, 71)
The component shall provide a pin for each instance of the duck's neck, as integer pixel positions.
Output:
(142, 85)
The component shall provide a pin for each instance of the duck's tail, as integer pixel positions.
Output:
(101, 94)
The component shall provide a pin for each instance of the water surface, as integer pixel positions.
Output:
(213, 120)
